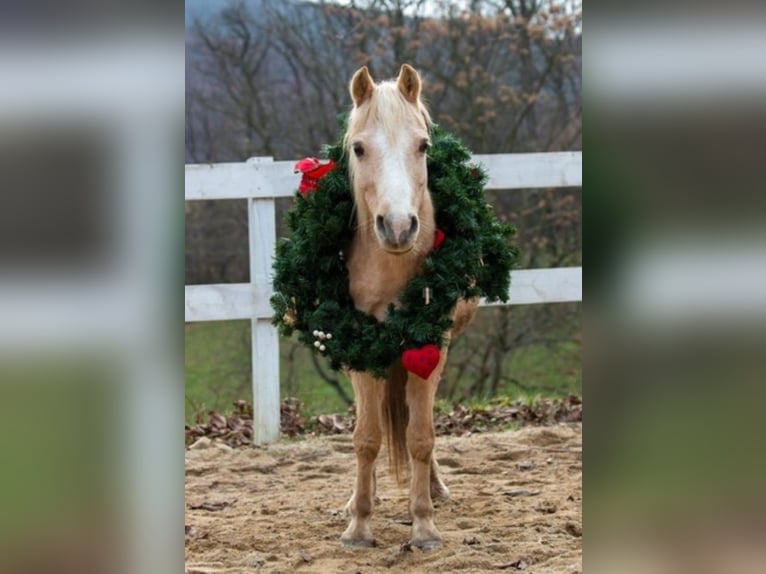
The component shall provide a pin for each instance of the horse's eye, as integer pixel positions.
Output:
(424, 146)
(358, 149)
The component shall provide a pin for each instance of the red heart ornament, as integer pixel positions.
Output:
(438, 238)
(421, 362)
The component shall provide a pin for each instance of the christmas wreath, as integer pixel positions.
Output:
(471, 257)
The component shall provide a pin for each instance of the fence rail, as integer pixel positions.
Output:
(261, 180)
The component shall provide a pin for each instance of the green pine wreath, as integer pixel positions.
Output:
(311, 281)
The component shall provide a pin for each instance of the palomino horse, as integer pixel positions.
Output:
(387, 141)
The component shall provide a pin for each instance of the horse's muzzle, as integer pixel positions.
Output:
(397, 233)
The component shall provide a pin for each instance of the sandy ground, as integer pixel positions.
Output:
(515, 505)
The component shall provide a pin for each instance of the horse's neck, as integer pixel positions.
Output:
(376, 277)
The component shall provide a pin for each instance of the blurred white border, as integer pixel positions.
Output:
(664, 59)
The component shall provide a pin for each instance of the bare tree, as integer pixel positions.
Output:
(504, 75)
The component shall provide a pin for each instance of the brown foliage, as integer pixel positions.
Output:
(236, 428)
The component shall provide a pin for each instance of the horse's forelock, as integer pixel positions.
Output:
(389, 109)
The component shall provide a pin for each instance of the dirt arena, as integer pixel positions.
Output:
(515, 505)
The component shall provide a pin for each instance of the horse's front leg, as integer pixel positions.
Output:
(420, 442)
(367, 439)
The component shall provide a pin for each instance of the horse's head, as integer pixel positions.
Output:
(387, 141)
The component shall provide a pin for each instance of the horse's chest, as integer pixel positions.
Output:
(373, 296)
(373, 289)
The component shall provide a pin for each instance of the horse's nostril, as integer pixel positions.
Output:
(413, 224)
(380, 223)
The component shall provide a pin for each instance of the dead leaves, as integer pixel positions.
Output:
(463, 420)
(212, 506)
(236, 428)
(291, 421)
(332, 424)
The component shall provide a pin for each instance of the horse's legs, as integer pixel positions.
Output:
(464, 313)
(420, 442)
(438, 488)
(367, 439)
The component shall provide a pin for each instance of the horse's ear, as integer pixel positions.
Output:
(409, 83)
(362, 86)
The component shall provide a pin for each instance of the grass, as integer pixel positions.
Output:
(551, 369)
(218, 372)
(217, 365)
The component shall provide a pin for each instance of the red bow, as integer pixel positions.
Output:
(312, 171)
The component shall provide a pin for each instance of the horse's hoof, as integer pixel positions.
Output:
(426, 545)
(358, 543)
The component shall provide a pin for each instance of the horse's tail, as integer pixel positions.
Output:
(396, 416)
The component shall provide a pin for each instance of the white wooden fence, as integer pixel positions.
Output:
(261, 180)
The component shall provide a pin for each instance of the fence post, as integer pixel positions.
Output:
(265, 338)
